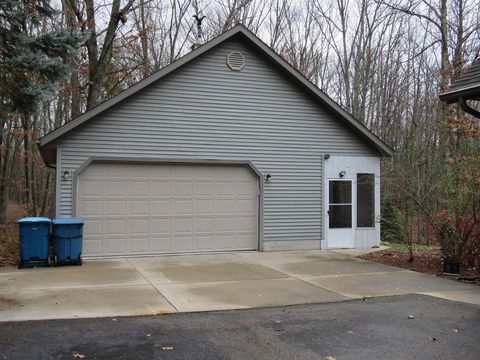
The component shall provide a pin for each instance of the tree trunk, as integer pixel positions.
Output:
(26, 162)
(75, 104)
(143, 40)
(4, 150)
(92, 49)
(444, 75)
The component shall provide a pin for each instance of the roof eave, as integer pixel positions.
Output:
(45, 140)
(471, 92)
(374, 141)
(377, 143)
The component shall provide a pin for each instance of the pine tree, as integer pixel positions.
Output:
(32, 64)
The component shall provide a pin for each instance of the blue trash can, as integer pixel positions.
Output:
(67, 241)
(34, 241)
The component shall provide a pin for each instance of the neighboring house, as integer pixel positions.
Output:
(227, 148)
(465, 88)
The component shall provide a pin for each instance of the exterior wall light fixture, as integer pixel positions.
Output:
(66, 175)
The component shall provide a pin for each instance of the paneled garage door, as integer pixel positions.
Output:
(148, 209)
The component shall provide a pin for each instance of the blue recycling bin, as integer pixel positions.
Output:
(67, 241)
(34, 241)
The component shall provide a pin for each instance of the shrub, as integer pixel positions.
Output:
(391, 223)
(459, 238)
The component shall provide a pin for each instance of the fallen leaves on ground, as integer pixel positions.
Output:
(278, 325)
(164, 347)
(425, 261)
(7, 260)
(8, 301)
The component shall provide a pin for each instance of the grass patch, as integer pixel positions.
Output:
(416, 247)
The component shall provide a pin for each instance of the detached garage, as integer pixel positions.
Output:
(228, 148)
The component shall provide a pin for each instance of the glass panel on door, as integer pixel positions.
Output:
(340, 204)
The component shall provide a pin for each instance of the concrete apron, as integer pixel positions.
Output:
(168, 284)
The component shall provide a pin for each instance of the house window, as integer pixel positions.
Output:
(365, 200)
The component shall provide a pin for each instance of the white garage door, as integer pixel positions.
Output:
(148, 209)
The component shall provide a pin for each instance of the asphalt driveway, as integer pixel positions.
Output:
(377, 328)
(239, 280)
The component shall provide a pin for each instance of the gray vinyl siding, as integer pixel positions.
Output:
(204, 110)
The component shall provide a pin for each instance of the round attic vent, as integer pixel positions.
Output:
(236, 61)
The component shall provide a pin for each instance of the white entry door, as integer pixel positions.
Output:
(340, 214)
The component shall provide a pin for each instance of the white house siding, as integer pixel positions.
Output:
(204, 110)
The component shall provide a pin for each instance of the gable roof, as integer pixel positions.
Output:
(466, 86)
(319, 95)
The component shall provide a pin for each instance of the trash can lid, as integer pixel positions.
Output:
(67, 221)
(35, 220)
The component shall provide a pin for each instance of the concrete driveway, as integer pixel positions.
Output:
(167, 284)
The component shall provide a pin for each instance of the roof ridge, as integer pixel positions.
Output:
(321, 96)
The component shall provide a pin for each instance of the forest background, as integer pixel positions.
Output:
(384, 61)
